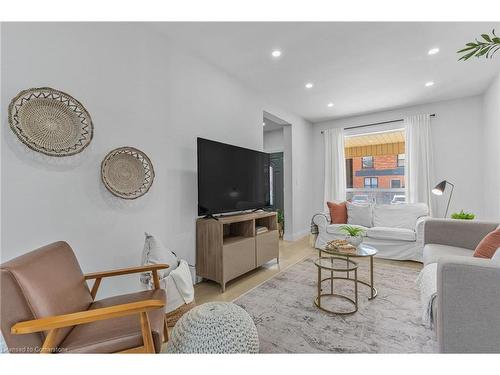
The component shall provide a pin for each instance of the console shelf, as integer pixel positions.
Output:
(230, 246)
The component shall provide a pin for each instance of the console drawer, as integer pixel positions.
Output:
(238, 257)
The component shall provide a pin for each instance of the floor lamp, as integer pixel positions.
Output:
(439, 190)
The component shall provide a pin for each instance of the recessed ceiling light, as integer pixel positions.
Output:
(309, 85)
(276, 53)
(263, 124)
(330, 104)
(429, 84)
(433, 51)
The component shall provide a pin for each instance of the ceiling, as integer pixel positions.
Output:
(361, 67)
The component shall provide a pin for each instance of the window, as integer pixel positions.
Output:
(371, 182)
(401, 160)
(375, 165)
(367, 162)
(395, 184)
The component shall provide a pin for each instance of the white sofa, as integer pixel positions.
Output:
(396, 231)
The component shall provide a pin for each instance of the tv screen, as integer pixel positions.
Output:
(231, 178)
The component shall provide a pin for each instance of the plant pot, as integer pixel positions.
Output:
(354, 241)
(281, 230)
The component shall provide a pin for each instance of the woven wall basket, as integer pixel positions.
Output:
(127, 172)
(50, 121)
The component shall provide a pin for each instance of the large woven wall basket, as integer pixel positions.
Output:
(127, 172)
(50, 121)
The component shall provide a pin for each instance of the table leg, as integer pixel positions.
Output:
(319, 286)
(356, 287)
(331, 277)
(347, 264)
(371, 276)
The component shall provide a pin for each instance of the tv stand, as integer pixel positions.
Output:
(230, 246)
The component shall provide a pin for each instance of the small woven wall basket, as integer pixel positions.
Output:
(127, 172)
(50, 121)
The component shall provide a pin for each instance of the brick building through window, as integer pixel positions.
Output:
(375, 164)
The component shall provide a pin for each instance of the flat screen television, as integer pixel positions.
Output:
(231, 178)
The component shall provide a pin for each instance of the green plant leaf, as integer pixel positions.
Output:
(468, 56)
(466, 49)
(486, 37)
(483, 52)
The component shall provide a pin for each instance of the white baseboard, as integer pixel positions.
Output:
(295, 236)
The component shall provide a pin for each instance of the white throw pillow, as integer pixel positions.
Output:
(154, 253)
(398, 215)
(359, 214)
(496, 256)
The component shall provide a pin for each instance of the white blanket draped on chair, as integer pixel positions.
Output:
(419, 177)
(335, 180)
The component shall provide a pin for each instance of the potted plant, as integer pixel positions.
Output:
(281, 223)
(463, 215)
(354, 234)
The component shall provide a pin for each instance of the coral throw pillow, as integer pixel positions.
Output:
(488, 245)
(338, 212)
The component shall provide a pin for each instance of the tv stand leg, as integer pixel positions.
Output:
(223, 287)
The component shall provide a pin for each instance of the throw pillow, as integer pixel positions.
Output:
(338, 212)
(155, 252)
(488, 245)
(359, 214)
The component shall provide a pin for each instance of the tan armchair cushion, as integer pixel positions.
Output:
(51, 282)
(114, 335)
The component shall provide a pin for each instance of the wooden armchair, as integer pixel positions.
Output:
(52, 310)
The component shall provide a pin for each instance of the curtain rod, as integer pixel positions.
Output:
(378, 123)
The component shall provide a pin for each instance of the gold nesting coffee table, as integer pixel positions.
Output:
(335, 255)
(336, 264)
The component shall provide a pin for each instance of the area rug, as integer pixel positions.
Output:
(288, 321)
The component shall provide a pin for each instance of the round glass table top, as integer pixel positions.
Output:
(361, 251)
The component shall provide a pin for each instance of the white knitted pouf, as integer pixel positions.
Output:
(214, 327)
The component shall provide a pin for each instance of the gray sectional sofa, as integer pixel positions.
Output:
(467, 308)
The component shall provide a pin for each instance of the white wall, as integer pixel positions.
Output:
(491, 152)
(274, 141)
(140, 91)
(457, 132)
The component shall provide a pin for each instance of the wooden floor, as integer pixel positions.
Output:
(290, 254)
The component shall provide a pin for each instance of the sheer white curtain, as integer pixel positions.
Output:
(419, 175)
(334, 165)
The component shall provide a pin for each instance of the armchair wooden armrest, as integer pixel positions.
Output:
(54, 323)
(126, 271)
(153, 268)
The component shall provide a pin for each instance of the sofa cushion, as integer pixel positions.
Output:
(397, 234)
(114, 335)
(338, 212)
(398, 215)
(335, 229)
(434, 252)
(359, 214)
(488, 245)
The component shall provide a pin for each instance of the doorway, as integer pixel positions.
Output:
(277, 142)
